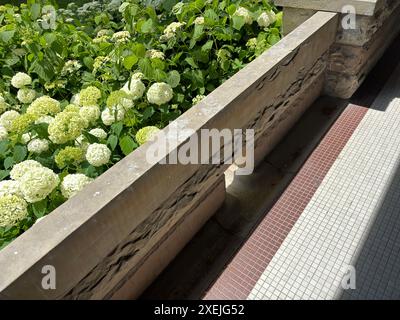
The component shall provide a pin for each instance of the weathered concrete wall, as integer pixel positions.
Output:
(355, 51)
(113, 238)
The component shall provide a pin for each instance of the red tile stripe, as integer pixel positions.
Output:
(243, 272)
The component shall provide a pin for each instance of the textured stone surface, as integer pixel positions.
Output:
(101, 240)
(355, 51)
(363, 7)
(349, 65)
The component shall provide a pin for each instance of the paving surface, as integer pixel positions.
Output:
(335, 231)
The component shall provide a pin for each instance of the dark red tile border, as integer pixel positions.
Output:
(242, 273)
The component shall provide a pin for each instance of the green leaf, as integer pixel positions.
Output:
(130, 61)
(238, 22)
(198, 31)
(210, 17)
(88, 62)
(112, 141)
(39, 208)
(231, 9)
(4, 147)
(117, 128)
(19, 153)
(173, 78)
(146, 67)
(8, 162)
(147, 26)
(273, 38)
(191, 62)
(35, 11)
(148, 112)
(207, 46)
(127, 145)
(4, 174)
(6, 36)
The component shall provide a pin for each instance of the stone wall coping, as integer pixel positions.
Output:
(363, 7)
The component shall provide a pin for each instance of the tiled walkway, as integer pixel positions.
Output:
(338, 222)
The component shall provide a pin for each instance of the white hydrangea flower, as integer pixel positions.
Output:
(98, 154)
(121, 36)
(37, 183)
(7, 118)
(10, 187)
(153, 54)
(111, 115)
(76, 99)
(23, 167)
(199, 20)
(135, 88)
(73, 183)
(98, 133)
(198, 98)
(26, 95)
(12, 210)
(137, 76)
(70, 67)
(243, 12)
(38, 146)
(160, 93)
(90, 113)
(265, 19)
(21, 80)
(44, 119)
(3, 133)
(170, 30)
(26, 137)
(252, 43)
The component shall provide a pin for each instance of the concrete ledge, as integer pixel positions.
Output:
(363, 7)
(113, 238)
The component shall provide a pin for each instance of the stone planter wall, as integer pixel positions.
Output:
(355, 51)
(113, 238)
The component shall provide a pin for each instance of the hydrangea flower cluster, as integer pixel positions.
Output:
(12, 210)
(160, 93)
(67, 126)
(155, 54)
(265, 19)
(35, 181)
(244, 13)
(26, 95)
(69, 156)
(73, 183)
(170, 30)
(89, 96)
(21, 80)
(98, 154)
(38, 146)
(146, 134)
(134, 88)
(199, 20)
(121, 37)
(44, 106)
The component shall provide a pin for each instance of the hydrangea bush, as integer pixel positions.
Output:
(82, 87)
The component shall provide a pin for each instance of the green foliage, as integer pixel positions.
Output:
(193, 46)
